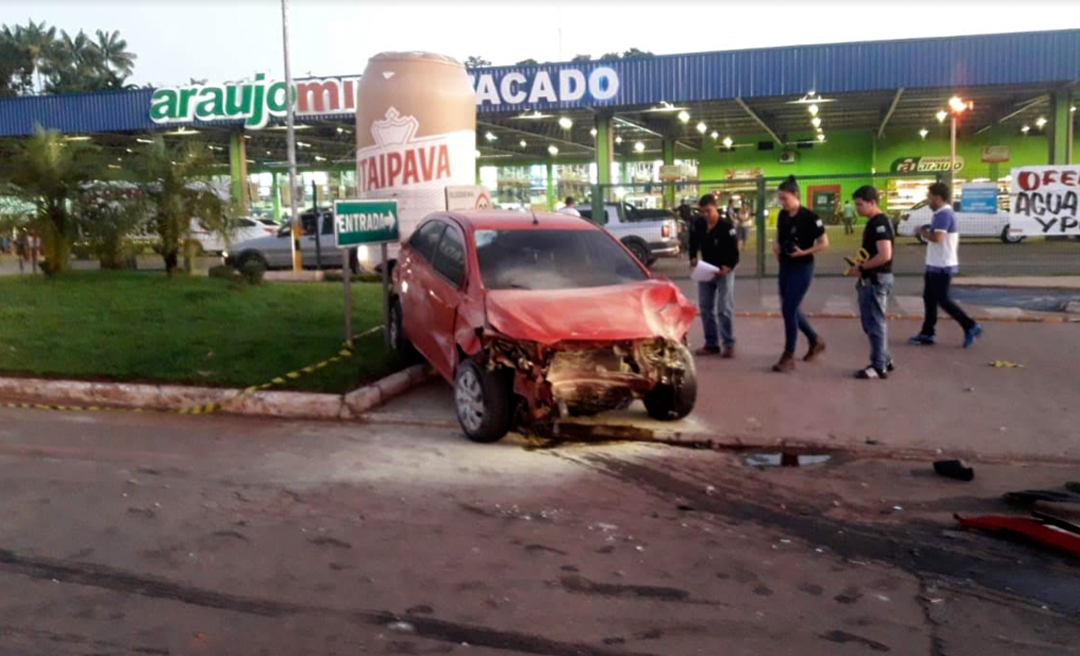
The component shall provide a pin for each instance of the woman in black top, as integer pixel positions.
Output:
(799, 234)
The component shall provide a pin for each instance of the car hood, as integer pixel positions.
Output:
(642, 310)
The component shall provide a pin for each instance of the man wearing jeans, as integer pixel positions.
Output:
(875, 282)
(942, 263)
(716, 240)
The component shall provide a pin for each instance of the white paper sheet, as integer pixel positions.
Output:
(704, 272)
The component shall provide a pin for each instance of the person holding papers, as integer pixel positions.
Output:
(715, 239)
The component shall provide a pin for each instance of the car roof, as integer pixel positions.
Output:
(511, 220)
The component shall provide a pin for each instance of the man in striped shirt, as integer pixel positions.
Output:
(942, 237)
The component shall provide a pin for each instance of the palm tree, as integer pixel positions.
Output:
(49, 172)
(39, 40)
(114, 53)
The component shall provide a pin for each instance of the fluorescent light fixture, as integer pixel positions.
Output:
(639, 146)
(490, 136)
(715, 135)
(684, 116)
(701, 127)
(728, 143)
(821, 137)
(958, 105)
(923, 132)
(566, 123)
(523, 143)
(145, 141)
(593, 132)
(816, 122)
(295, 127)
(618, 140)
(1040, 122)
(341, 130)
(478, 153)
(181, 132)
(942, 115)
(77, 137)
(553, 150)
(813, 110)
(303, 144)
(532, 116)
(1026, 129)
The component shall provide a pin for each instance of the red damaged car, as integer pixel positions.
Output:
(533, 317)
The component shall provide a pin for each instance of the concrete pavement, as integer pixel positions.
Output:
(146, 534)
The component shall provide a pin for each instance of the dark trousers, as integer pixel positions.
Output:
(795, 282)
(936, 293)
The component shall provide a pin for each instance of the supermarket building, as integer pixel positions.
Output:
(857, 111)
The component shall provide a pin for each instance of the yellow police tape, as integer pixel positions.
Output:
(345, 353)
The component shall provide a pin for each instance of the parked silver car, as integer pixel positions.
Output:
(275, 251)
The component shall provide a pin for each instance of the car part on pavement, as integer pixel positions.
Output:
(954, 469)
(1036, 530)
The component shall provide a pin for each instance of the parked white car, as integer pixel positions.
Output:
(274, 251)
(246, 229)
(970, 224)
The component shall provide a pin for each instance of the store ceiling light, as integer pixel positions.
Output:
(490, 136)
(701, 127)
(958, 105)
(295, 127)
(665, 106)
(341, 130)
(821, 137)
(1073, 108)
(145, 141)
(182, 132)
(728, 143)
(811, 98)
(639, 146)
(684, 116)
(593, 132)
(303, 144)
(565, 123)
(478, 152)
(320, 159)
(553, 150)
(813, 110)
(523, 143)
(77, 138)
(1040, 122)
(618, 140)
(1026, 129)
(816, 122)
(923, 132)
(533, 116)
(942, 115)
(715, 135)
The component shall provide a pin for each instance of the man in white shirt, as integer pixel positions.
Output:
(942, 237)
(570, 207)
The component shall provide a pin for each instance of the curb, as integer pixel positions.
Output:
(1033, 318)
(35, 393)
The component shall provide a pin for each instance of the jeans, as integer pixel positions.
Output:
(795, 279)
(873, 305)
(716, 300)
(935, 293)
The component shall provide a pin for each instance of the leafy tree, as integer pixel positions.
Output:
(114, 53)
(476, 62)
(174, 181)
(16, 66)
(65, 63)
(581, 58)
(635, 52)
(49, 172)
(38, 39)
(107, 213)
(527, 62)
(609, 56)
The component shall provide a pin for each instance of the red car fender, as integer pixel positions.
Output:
(469, 325)
(1032, 529)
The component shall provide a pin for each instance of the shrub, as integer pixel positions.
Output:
(252, 272)
(225, 273)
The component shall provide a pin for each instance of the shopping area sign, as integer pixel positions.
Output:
(504, 89)
(1043, 200)
(979, 198)
(254, 102)
(358, 222)
(925, 164)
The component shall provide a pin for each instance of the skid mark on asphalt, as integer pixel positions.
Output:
(582, 585)
(108, 578)
(21, 633)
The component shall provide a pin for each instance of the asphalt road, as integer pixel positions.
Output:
(144, 534)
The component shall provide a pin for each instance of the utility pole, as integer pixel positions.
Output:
(290, 140)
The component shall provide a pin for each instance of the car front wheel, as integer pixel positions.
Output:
(674, 399)
(483, 400)
(398, 341)
(1009, 238)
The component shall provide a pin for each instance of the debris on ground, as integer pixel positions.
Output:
(1029, 497)
(954, 469)
(1036, 530)
(785, 459)
(1005, 364)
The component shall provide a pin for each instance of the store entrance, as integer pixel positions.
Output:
(822, 199)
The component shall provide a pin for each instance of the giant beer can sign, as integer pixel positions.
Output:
(415, 132)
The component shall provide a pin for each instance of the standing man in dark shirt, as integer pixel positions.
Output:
(875, 282)
(714, 237)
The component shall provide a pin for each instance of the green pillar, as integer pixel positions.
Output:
(275, 195)
(669, 160)
(550, 186)
(1060, 135)
(603, 144)
(238, 168)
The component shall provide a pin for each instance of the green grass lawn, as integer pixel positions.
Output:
(135, 326)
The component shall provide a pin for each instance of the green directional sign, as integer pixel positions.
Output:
(359, 222)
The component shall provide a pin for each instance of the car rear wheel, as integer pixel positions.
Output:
(251, 256)
(675, 399)
(1009, 238)
(640, 250)
(484, 401)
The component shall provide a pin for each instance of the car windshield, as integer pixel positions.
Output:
(553, 259)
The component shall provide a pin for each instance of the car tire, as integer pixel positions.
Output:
(1008, 238)
(398, 341)
(251, 256)
(919, 238)
(674, 400)
(483, 401)
(640, 250)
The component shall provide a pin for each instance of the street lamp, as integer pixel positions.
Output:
(290, 141)
(958, 107)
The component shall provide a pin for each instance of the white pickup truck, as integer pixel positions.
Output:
(970, 224)
(649, 234)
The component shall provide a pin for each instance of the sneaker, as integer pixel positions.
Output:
(816, 348)
(728, 352)
(971, 335)
(708, 350)
(786, 363)
(891, 367)
(871, 373)
(922, 340)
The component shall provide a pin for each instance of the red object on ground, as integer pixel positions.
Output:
(1033, 529)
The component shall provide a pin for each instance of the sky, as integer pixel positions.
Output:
(225, 40)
